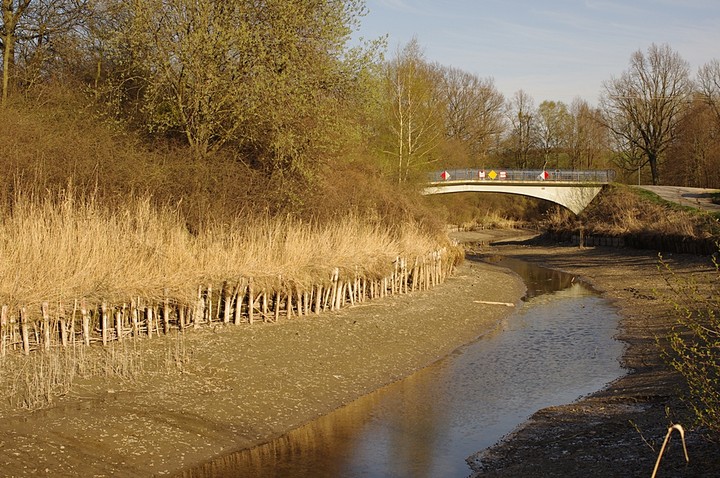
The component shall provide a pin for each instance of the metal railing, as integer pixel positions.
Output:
(524, 175)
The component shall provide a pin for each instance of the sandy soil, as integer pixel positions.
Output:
(242, 385)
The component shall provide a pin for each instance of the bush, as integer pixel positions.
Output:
(695, 342)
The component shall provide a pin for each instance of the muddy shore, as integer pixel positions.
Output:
(242, 385)
(618, 431)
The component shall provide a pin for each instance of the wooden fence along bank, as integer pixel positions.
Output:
(77, 322)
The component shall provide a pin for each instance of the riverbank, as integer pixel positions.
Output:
(617, 431)
(241, 385)
(237, 386)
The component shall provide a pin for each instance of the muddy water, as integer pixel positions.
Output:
(557, 347)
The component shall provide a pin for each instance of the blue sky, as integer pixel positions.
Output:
(552, 49)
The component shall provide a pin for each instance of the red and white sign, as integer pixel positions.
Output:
(444, 175)
(503, 175)
(543, 176)
(481, 174)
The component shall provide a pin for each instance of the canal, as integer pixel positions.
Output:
(558, 346)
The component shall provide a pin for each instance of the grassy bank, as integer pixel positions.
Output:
(78, 273)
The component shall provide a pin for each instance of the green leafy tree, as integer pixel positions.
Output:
(411, 114)
(265, 78)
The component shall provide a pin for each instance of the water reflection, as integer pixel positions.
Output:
(557, 347)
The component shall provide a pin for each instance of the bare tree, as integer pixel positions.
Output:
(522, 116)
(588, 138)
(32, 30)
(709, 84)
(474, 110)
(643, 106)
(695, 151)
(554, 127)
(413, 110)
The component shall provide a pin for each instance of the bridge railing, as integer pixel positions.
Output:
(524, 175)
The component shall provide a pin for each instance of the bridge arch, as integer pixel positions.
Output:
(573, 190)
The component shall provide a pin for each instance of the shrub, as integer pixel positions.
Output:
(695, 342)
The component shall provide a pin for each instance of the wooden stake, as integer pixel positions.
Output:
(181, 317)
(62, 320)
(24, 331)
(166, 313)
(3, 329)
(199, 309)
(277, 305)
(135, 312)
(265, 306)
(72, 322)
(46, 325)
(208, 303)
(318, 298)
(149, 320)
(289, 305)
(104, 323)
(119, 324)
(251, 301)
(85, 322)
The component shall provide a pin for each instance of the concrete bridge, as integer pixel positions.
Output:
(571, 189)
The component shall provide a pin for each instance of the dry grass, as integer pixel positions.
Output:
(619, 210)
(62, 250)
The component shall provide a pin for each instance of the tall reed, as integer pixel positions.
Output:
(62, 249)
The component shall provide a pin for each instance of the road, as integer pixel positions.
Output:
(699, 198)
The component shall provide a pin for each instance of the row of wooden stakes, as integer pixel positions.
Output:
(236, 303)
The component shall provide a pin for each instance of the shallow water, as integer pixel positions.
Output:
(557, 347)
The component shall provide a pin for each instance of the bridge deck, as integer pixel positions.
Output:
(523, 176)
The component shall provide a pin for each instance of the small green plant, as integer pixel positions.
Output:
(695, 341)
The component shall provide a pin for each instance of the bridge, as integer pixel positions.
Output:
(571, 189)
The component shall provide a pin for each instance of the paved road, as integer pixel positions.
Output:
(694, 197)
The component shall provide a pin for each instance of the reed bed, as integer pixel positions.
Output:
(74, 273)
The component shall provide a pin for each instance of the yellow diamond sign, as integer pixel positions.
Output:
(492, 174)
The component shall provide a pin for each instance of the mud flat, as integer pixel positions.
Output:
(211, 392)
(619, 430)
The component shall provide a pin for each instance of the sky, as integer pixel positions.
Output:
(553, 50)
